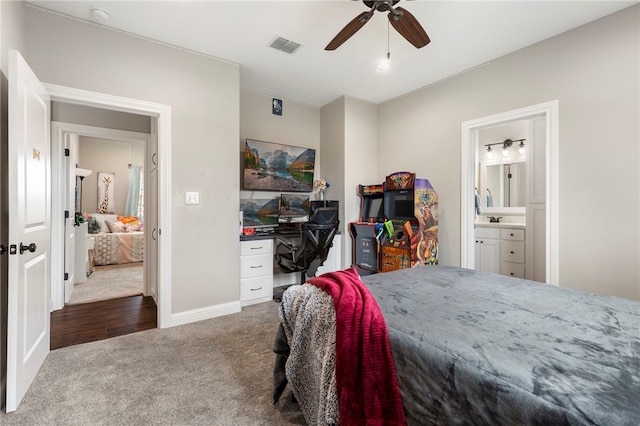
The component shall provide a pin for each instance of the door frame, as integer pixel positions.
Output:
(469, 140)
(162, 130)
(59, 132)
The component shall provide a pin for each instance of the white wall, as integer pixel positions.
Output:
(204, 97)
(593, 72)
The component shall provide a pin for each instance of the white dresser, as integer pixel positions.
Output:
(81, 260)
(256, 271)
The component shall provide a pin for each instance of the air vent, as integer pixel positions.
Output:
(284, 45)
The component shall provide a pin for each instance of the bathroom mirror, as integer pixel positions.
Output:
(503, 186)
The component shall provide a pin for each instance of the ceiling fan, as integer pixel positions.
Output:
(403, 21)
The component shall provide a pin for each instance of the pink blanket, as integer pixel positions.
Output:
(367, 386)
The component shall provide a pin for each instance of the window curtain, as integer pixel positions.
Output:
(135, 196)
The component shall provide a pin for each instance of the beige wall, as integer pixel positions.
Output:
(204, 97)
(349, 157)
(593, 72)
(299, 125)
(105, 155)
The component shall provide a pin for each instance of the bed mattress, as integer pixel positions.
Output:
(477, 348)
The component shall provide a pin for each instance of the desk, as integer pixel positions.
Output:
(258, 274)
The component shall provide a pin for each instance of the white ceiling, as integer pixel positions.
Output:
(464, 34)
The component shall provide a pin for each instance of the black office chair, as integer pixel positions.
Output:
(317, 238)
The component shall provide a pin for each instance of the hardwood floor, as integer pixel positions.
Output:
(89, 322)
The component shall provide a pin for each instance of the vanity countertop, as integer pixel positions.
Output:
(500, 225)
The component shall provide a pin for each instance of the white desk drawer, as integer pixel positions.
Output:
(512, 251)
(512, 269)
(254, 266)
(512, 234)
(249, 248)
(256, 288)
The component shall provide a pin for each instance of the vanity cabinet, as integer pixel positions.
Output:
(487, 244)
(512, 252)
(500, 250)
(256, 271)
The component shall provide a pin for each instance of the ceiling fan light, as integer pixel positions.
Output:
(383, 65)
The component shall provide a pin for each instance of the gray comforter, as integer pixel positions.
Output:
(477, 348)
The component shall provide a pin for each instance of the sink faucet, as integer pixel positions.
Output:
(493, 219)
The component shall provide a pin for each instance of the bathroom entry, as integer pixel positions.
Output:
(541, 210)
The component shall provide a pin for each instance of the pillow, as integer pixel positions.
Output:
(130, 228)
(115, 226)
(132, 223)
(94, 227)
(102, 219)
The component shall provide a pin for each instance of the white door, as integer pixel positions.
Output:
(28, 337)
(69, 175)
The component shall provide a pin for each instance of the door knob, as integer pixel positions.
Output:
(31, 248)
(3, 249)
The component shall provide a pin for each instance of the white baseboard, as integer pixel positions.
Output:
(201, 314)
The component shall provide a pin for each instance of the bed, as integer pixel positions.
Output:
(477, 348)
(116, 242)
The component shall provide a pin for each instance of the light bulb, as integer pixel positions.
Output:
(505, 152)
(521, 149)
(489, 152)
(383, 65)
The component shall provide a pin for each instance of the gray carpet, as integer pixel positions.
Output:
(213, 372)
(109, 282)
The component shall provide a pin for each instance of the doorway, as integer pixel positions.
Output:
(470, 132)
(95, 150)
(103, 292)
(159, 182)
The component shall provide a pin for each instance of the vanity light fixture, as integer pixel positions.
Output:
(506, 144)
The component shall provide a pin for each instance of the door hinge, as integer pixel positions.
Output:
(66, 276)
(66, 214)
(66, 152)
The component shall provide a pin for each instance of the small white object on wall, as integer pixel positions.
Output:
(193, 198)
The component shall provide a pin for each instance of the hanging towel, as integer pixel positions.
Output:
(478, 207)
(489, 199)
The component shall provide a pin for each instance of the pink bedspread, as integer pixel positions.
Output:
(367, 386)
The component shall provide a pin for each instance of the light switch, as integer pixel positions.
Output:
(193, 198)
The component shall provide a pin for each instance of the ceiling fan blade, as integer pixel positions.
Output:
(409, 27)
(350, 29)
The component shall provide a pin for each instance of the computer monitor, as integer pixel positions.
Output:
(294, 208)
